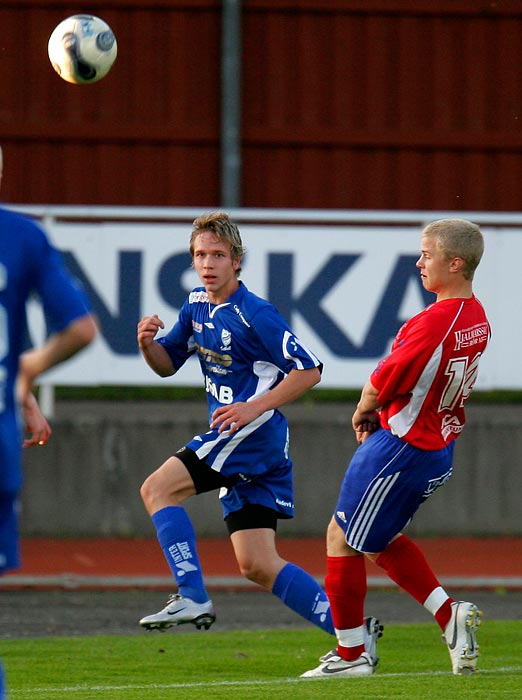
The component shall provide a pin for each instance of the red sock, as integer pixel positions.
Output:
(346, 587)
(443, 614)
(405, 564)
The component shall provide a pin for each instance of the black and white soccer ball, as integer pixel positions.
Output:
(82, 49)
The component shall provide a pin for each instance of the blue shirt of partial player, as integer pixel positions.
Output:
(244, 346)
(29, 266)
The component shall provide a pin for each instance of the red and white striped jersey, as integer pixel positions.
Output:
(424, 382)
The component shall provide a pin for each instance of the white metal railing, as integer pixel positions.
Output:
(302, 216)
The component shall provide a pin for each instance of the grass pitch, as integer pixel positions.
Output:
(255, 664)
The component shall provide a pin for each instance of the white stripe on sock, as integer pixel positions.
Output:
(435, 600)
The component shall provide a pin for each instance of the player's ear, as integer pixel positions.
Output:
(456, 264)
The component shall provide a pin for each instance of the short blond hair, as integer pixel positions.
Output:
(458, 238)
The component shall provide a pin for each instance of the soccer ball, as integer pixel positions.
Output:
(82, 49)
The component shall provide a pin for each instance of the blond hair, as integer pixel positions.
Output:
(458, 238)
(221, 225)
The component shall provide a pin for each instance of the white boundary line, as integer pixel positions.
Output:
(253, 683)
(75, 581)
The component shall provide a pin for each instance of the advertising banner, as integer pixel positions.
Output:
(345, 290)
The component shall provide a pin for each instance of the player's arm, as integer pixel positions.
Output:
(365, 419)
(59, 347)
(295, 384)
(35, 423)
(154, 354)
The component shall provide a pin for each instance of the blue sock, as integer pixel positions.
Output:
(2, 688)
(178, 542)
(302, 594)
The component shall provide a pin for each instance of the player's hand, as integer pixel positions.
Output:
(147, 329)
(362, 435)
(35, 423)
(235, 416)
(364, 424)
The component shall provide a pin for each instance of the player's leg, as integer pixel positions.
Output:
(162, 493)
(357, 527)
(346, 588)
(419, 475)
(9, 547)
(252, 533)
(405, 564)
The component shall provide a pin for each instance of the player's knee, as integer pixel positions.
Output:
(152, 491)
(247, 568)
(255, 571)
(160, 490)
(147, 491)
(335, 540)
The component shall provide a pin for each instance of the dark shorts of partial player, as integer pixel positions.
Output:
(385, 483)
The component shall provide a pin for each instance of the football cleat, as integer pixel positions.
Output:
(336, 667)
(372, 633)
(179, 611)
(460, 636)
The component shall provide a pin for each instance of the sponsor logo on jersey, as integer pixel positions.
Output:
(341, 515)
(223, 394)
(450, 424)
(226, 340)
(240, 314)
(285, 504)
(199, 297)
(214, 357)
(197, 327)
(218, 370)
(471, 336)
(210, 325)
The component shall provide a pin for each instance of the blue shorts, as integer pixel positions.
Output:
(256, 458)
(10, 485)
(385, 483)
(9, 536)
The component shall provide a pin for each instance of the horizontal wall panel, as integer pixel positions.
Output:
(344, 103)
(147, 134)
(383, 105)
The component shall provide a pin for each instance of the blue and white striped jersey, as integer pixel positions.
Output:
(244, 346)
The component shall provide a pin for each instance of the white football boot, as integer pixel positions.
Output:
(372, 633)
(336, 667)
(179, 611)
(461, 637)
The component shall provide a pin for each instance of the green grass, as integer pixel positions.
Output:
(255, 664)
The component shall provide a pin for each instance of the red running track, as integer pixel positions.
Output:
(488, 562)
